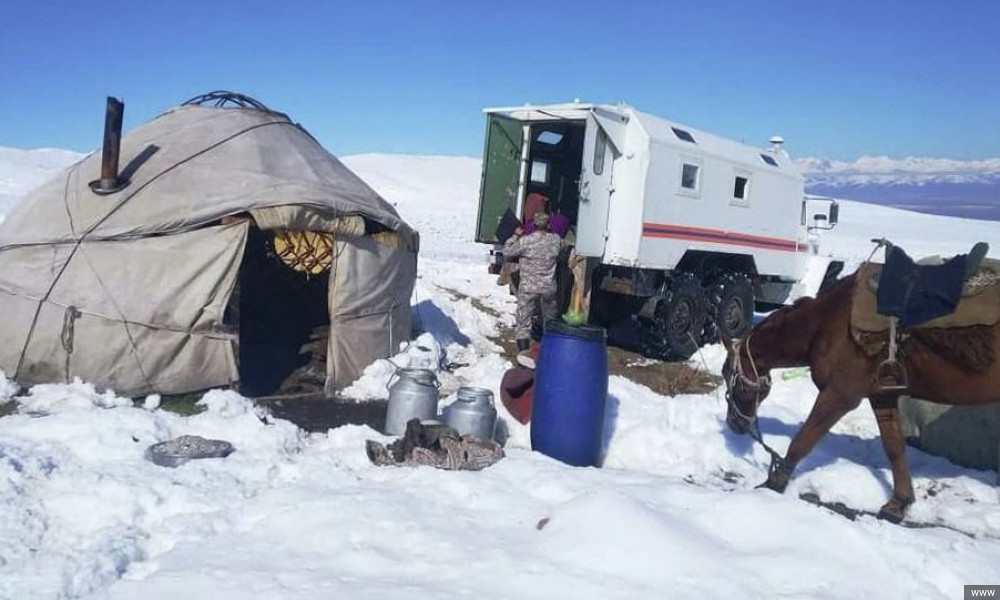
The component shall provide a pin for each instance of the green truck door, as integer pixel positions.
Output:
(501, 173)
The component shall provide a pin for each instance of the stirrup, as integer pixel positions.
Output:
(891, 375)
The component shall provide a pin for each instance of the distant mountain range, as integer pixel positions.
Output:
(969, 189)
(941, 186)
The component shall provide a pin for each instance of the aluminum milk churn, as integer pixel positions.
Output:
(472, 413)
(413, 394)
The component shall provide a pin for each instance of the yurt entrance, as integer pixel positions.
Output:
(283, 313)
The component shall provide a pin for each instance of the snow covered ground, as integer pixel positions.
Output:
(673, 512)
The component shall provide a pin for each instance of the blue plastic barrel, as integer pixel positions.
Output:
(571, 389)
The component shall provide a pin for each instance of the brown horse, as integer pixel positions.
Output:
(815, 332)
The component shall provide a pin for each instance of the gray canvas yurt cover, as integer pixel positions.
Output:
(235, 240)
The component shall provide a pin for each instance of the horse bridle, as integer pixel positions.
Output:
(759, 385)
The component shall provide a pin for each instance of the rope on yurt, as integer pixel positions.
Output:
(121, 315)
(79, 240)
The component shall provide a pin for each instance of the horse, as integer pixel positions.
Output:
(815, 333)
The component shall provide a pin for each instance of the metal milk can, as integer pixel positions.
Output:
(473, 413)
(413, 394)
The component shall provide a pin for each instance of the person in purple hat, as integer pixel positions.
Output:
(536, 292)
(559, 225)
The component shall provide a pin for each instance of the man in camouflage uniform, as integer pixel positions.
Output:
(538, 253)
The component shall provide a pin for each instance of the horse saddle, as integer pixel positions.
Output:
(959, 292)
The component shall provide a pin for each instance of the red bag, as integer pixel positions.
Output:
(516, 392)
(517, 388)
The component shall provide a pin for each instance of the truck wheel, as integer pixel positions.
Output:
(730, 307)
(674, 332)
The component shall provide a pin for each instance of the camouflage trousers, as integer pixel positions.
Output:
(529, 305)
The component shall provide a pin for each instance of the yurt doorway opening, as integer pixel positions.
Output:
(283, 287)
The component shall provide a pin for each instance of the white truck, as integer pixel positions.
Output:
(684, 232)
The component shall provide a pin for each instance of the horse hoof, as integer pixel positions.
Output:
(890, 514)
(777, 486)
(894, 510)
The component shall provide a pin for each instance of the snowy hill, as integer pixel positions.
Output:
(437, 195)
(23, 170)
(672, 513)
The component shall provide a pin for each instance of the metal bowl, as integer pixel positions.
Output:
(176, 452)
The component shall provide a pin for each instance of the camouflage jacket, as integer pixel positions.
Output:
(538, 253)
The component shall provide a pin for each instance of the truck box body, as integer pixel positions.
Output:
(663, 188)
(649, 198)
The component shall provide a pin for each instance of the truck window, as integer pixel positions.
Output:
(740, 189)
(550, 138)
(600, 146)
(540, 172)
(689, 177)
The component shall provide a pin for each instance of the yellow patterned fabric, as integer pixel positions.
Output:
(307, 252)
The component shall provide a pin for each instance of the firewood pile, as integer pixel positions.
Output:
(311, 377)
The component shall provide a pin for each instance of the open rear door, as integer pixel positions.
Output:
(596, 188)
(501, 174)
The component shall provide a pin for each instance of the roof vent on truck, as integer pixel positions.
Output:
(684, 136)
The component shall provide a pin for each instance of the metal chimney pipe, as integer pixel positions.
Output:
(112, 145)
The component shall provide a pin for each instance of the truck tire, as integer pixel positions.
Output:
(674, 331)
(730, 307)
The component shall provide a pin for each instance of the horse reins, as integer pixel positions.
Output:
(760, 386)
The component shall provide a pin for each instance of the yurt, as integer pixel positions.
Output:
(229, 250)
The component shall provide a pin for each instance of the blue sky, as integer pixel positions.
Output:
(837, 79)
